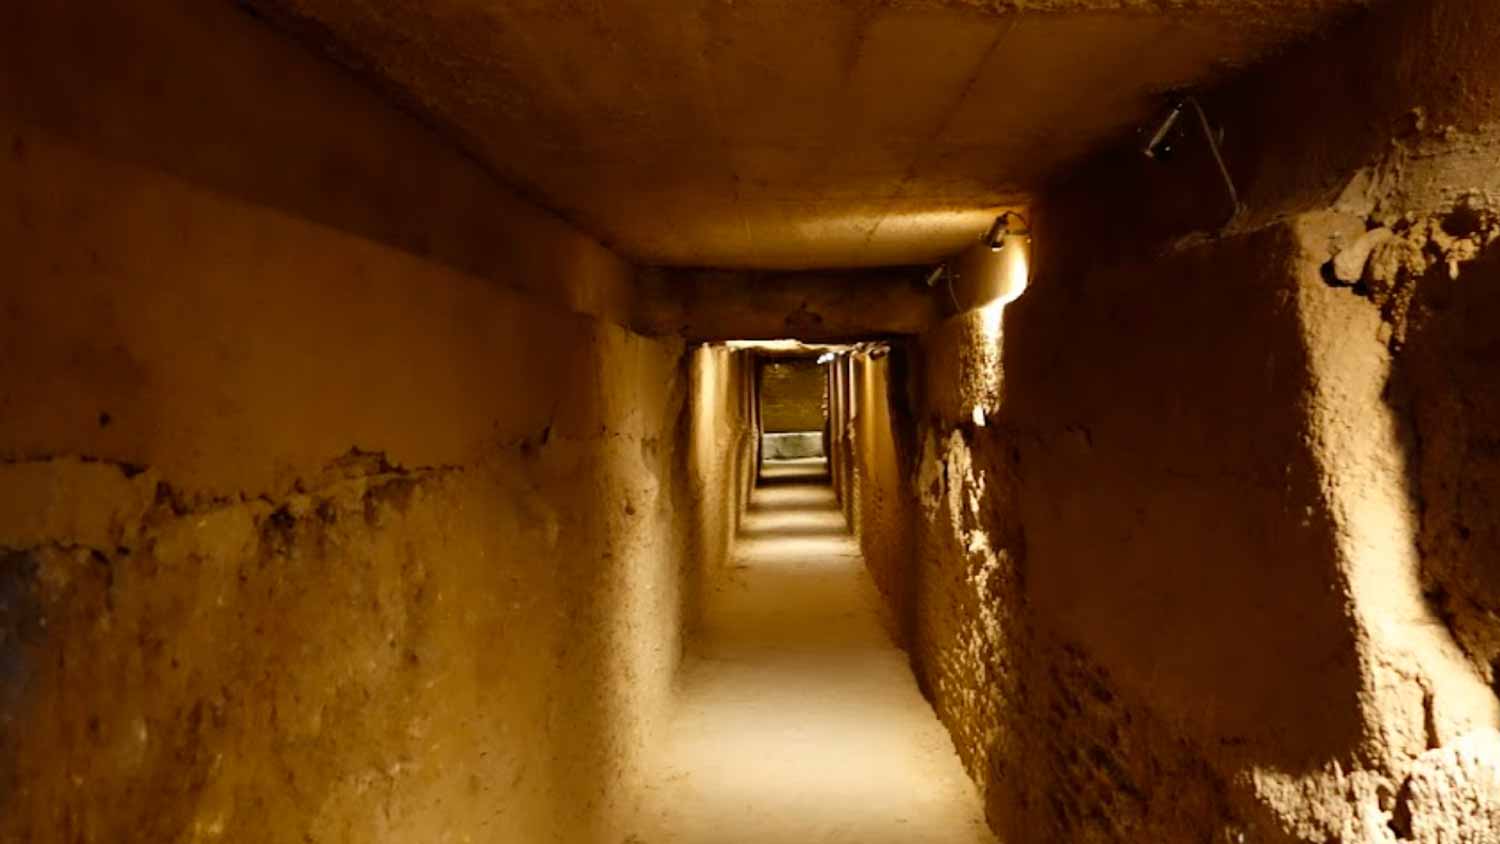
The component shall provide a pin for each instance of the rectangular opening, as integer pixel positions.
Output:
(794, 408)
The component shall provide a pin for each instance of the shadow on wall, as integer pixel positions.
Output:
(22, 619)
(358, 165)
(1173, 501)
(1128, 588)
(1446, 387)
(721, 460)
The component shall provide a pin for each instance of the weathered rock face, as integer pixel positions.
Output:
(1058, 750)
(376, 658)
(1452, 793)
(1448, 387)
(870, 460)
(1200, 547)
(1195, 598)
(320, 518)
(723, 459)
(338, 504)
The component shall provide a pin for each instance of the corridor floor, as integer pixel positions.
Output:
(798, 720)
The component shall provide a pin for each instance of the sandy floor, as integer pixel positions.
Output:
(798, 720)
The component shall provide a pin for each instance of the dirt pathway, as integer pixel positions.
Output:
(799, 720)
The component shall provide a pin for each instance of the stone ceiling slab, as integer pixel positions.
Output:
(778, 134)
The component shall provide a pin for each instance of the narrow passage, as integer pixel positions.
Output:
(798, 720)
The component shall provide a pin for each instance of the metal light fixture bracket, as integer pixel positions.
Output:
(1002, 228)
(1159, 147)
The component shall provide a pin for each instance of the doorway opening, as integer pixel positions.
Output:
(793, 394)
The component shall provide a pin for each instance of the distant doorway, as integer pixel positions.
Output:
(793, 408)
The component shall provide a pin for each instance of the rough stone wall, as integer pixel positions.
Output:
(1201, 556)
(870, 452)
(723, 457)
(1178, 599)
(1402, 119)
(306, 534)
(969, 617)
(379, 658)
(1445, 386)
(1038, 723)
(793, 396)
(1385, 197)
(1223, 560)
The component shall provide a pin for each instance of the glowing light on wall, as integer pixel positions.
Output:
(1014, 275)
(1017, 269)
(1008, 277)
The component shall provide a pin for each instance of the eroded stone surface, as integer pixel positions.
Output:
(1452, 794)
(313, 524)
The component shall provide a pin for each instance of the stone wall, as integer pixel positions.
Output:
(1181, 597)
(333, 505)
(723, 456)
(1202, 515)
(871, 466)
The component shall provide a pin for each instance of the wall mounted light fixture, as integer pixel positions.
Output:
(1006, 225)
(1161, 146)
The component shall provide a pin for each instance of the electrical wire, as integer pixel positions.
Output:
(1213, 145)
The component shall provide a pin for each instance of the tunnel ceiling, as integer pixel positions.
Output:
(789, 133)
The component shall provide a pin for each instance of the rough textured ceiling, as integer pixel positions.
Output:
(790, 133)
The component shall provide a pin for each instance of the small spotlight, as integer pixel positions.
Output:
(936, 275)
(826, 357)
(1001, 229)
(995, 237)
